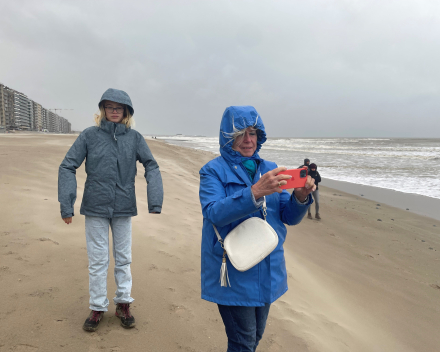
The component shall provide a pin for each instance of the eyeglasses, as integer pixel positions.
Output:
(111, 109)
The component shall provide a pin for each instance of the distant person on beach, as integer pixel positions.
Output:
(111, 149)
(232, 189)
(306, 163)
(313, 172)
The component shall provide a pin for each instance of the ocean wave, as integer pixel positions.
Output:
(402, 165)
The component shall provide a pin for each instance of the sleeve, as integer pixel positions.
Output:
(318, 177)
(152, 175)
(67, 175)
(291, 209)
(219, 208)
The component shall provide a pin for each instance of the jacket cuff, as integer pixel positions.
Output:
(257, 202)
(155, 210)
(307, 201)
(66, 215)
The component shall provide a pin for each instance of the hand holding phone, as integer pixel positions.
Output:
(298, 179)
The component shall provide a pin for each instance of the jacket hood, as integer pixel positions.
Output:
(118, 96)
(236, 118)
(306, 160)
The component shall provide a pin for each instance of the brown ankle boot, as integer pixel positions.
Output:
(309, 216)
(123, 312)
(92, 321)
(317, 216)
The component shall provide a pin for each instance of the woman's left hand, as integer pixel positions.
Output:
(302, 193)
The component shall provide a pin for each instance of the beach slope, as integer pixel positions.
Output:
(364, 278)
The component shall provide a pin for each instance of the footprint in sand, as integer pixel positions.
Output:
(24, 348)
(43, 239)
(180, 311)
(153, 267)
(167, 254)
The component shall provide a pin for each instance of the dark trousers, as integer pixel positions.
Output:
(244, 326)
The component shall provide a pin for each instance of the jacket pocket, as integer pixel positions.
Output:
(125, 199)
(96, 196)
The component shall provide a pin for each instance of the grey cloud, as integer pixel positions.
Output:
(311, 68)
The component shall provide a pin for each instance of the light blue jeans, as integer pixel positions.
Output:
(97, 237)
(316, 198)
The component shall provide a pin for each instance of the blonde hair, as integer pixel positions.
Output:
(128, 119)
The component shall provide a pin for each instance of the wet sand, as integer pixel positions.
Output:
(415, 203)
(364, 278)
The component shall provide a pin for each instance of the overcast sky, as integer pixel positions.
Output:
(310, 68)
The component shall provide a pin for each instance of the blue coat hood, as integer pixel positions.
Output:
(236, 118)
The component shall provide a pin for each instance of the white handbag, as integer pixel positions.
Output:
(247, 244)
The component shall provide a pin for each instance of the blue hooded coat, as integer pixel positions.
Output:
(227, 200)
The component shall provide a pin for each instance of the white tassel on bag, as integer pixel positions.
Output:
(224, 278)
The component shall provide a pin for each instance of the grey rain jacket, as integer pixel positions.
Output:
(111, 151)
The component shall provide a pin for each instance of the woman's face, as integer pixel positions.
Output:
(246, 144)
(114, 112)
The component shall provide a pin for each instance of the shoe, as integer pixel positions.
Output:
(92, 322)
(309, 216)
(123, 312)
(317, 216)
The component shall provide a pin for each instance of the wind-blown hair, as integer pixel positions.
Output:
(128, 119)
(240, 133)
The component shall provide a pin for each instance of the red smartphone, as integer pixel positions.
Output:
(298, 180)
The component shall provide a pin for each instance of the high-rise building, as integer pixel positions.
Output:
(18, 112)
(23, 111)
(6, 107)
(37, 118)
(44, 118)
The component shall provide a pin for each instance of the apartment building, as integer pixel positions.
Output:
(18, 112)
(6, 106)
(37, 117)
(23, 111)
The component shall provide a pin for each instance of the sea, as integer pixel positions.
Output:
(401, 164)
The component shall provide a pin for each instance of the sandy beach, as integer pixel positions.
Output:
(364, 278)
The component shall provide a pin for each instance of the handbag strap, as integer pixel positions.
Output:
(218, 235)
(264, 206)
(264, 214)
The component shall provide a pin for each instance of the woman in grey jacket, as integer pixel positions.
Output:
(111, 149)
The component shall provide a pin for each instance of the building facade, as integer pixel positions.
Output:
(6, 107)
(37, 116)
(18, 112)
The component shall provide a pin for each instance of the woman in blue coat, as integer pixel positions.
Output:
(232, 189)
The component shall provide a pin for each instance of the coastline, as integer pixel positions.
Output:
(355, 283)
(415, 203)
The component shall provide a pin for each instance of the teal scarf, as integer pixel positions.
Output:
(250, 166)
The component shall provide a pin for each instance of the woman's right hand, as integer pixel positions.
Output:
(68, 220)
(270, 183)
